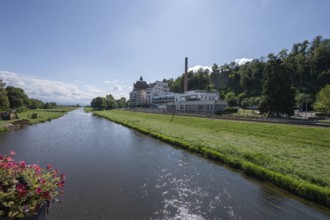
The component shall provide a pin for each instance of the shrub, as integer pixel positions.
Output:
(229, 110)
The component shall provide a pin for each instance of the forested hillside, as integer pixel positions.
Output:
(288, 79)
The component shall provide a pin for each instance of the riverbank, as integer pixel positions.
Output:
(25, 118)
(295, 158)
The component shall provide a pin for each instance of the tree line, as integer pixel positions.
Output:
(108, 102)
(276, 85)
(14, 98)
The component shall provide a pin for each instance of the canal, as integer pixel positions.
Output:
(117, 173)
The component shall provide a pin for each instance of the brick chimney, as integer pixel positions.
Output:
(185, 85)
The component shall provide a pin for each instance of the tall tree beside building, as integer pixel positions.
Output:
(121, 103)
(278, 94)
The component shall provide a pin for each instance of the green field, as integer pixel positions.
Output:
(43, 116)
(296, 158)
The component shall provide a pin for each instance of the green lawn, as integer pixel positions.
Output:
(43, 116)
(300, 153)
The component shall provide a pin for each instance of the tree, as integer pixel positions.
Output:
(215, 77)
(50, 105)
(278, 94)
(178, 84)
(322, 103)
(4, 101)
(231, 99)
(110, 102)
(251, 75)
(35, 103)
(98, 103)
(121, 103)
(240, 98)
(199, 80)
(303, 99)
(17, 97)
(170, 83)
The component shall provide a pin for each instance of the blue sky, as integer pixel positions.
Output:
(75, 50)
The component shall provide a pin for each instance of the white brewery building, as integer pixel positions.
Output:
(158, 95)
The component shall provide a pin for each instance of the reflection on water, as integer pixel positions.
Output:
(116, 173)
(185, 198)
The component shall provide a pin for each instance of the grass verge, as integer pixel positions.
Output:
(295, 158)
(44, 115)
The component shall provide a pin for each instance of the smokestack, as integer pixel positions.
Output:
(185, 85)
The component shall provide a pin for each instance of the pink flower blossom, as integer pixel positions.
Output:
(36, 168)
(9, 159)
(60, 184)
(25, 184)
(22, 164)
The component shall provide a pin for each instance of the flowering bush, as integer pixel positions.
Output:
(24, 189)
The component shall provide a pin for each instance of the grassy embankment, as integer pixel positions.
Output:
(295, 158)
(43, 116)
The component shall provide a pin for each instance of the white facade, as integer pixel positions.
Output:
(163, 99)
(158, 94)
(197, 95)
(198, 101)
(156, 89)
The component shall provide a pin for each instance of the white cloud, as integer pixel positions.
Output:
(117, 88)
(93, 89)
(242, 61)
(47, 90)
(110, 81)
(198, 67)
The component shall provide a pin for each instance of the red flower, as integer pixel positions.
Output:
(49, 166)
(38, 191)
(60, 184)
(22, 164)
(55, 172)
(42, 181)
(36, 168)
(20, 188)
(62, 177)
(28, 184)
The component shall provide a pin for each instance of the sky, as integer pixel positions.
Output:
(71, 51)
